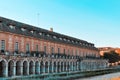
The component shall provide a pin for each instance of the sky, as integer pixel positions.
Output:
(96, 21)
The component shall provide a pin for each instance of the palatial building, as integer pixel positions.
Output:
(28, 50)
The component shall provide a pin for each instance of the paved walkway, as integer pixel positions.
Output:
(112, 76)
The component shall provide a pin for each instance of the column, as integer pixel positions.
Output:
(14, 69)
(38, 68)
(60, 68)
(43, 67)
(21, 69)
(48, 67)
(28, 69)
(77, 66)
(5, 73)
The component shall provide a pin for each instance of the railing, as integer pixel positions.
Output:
(41, 54)
(37, 54)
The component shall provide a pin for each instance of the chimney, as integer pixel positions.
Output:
(51, 29)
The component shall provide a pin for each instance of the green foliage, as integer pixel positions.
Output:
(111, 56)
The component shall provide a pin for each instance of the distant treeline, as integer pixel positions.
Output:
(111, 56)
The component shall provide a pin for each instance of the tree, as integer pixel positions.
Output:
(111, 56)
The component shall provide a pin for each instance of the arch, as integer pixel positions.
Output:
(55, 66)
(18, 68)
(31, 67)
(62, 66)
(37, 67)
(74, 66)
(58, 67)
(11, 68)
(78, 66)
(71, 66)
(3, 68)
(41, 67)
(25, 68)
(46, 67)
(68, 66)
(50, 67)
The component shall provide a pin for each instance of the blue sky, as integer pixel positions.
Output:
(96, 21)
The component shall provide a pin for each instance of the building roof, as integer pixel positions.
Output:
(16, 27)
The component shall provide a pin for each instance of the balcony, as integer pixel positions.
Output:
(39, 54)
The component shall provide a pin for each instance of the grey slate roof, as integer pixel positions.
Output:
(4, 26)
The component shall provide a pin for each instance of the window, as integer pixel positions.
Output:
(45, 49)
(27, 47)
(68, 51)
(12, 27)
(76, 52)
(64, 51)
(52, 50)
(16, 46)
(60, 38)
(54, 37)
(36, 47)
(72, 52)
(58, 50)
(32, 31)
(23, 29)
(40, 33)
(2, 44)
(48, 35)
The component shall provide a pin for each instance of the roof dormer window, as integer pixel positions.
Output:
(23, 29)
(32, 31)
(72, 41)
(54, 37)
(76, 42)
(48, 35)
(64, 39)
(68, 40)
(12, 26)
(40, 33)
(60, 38)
